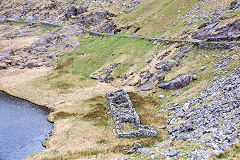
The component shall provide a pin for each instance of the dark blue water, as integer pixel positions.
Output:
(23, 127)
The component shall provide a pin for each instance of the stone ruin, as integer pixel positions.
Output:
(124, 114)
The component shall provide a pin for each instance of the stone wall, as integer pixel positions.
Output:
(123, 114)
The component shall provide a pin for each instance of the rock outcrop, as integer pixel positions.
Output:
(177, 83)
(228, 33)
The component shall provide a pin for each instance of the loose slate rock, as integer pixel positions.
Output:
(172, 152)
(177, 83)
(202, 68)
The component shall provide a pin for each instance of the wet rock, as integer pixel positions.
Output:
(177, 83)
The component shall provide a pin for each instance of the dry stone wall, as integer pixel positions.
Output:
(123, 114)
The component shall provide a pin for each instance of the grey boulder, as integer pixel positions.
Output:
(177, 83)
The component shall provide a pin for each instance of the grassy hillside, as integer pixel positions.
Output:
(167, 17)
(83, 129)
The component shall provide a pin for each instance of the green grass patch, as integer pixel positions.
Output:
(158, 16)
(95, 52)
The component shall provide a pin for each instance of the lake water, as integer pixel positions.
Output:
(23, 127)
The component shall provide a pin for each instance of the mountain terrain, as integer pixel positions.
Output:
(177, 61)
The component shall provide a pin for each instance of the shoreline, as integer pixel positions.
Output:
(45, 107)
(65, 115)
(40, 107)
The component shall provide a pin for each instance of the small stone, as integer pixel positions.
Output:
(30, 65)
(162, 127)
(7, 52)
(194, 77)
(186, 106)
(191, 72)
(145, 151)
(202, 68)
(228, 87)
(172, 121)
(161, 96)
(175, 104)
(3, 66)
(172, 152)
(40, 49)
(176, 94)
(49, 65)
(224, 146)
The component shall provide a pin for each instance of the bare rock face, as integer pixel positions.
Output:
(227, 33)
(206, 29)
(95, 18)
(124, 114)
(105, 73)
(107, 27)
(230, 32)
(75, 11)
(44, 40)
(177, 83)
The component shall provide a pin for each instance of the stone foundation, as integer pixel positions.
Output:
(124, 114)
